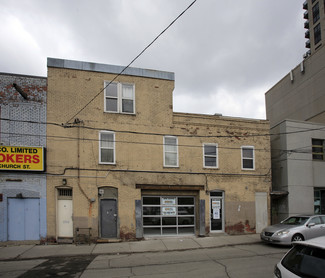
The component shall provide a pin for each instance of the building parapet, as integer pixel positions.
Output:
(96, 67)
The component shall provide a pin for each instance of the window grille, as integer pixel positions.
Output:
(65, 193)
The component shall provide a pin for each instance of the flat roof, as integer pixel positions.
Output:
(89, 66)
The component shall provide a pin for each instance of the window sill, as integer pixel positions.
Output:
(119, 113)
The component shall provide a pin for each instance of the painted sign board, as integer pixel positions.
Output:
(17, 158)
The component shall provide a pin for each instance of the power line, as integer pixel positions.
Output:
(67, 138)
(245, 135)
(156, 38)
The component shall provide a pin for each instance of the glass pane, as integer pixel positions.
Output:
(216, 193)
(318, 156)
(127, 91)
(186, 220)
(151, 231)
(107, 155)
(127, 106)
(107, 140)
(186, 210)
(185, 200)
(171, 159)
(111, 104)
(111, 90)
(186, 230)
(247, 153)
(169, 221)
(170, 148)
(318, 142)
(248, 163)
(317, 149)
(151, 210)
(148, 200)
(169, 231)
(151, 221)
(210, 150)
(210, 161)
(170, 141)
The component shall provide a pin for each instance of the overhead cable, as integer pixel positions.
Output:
(131, 61)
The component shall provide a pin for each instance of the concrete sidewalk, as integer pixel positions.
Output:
(147, 245)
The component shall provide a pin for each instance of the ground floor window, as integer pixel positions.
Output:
(168, 215)
(319, 200)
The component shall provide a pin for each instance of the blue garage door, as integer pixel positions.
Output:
(23, 219)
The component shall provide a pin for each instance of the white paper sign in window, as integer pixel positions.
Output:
(168, 201)
(170, 211)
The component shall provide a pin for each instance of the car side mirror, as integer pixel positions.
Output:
(311, 225)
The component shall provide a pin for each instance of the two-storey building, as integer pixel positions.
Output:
(123, 164)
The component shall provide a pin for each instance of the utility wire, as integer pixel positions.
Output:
(245, 135)
(132, 61)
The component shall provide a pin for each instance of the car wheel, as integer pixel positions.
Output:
(297, 237)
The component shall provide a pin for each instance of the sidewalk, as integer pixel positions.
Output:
(147, 245)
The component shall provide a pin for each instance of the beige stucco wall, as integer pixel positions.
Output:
(139, 151)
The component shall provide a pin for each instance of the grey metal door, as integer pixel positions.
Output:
(108, 213)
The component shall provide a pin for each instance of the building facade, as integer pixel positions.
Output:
(122, 164)
(314, 25)
(295, 107)
(22, 157)
(298, 169)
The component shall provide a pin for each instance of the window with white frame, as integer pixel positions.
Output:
(210, 155)
(170, 151)
(119, 98)
(248, 157)
(107, 147)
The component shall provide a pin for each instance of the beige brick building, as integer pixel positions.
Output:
(122, 163)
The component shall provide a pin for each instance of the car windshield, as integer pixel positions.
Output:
(305, 261)
(295, 220)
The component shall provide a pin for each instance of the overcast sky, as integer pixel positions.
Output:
(225, 53)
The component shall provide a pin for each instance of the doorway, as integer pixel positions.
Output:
(65, 221)
(217, 211)
(108, 217)
(261, 211)
(23, 219)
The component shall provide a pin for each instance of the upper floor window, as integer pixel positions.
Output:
(210, 152)
(248, 158)
(318, 149)
(317, 34)
(315, 10)
(170, 151)
(119, 98)
(107, 147)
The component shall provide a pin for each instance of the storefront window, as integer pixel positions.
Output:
(174, 215)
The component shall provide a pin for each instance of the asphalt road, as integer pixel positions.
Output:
(256, 260)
